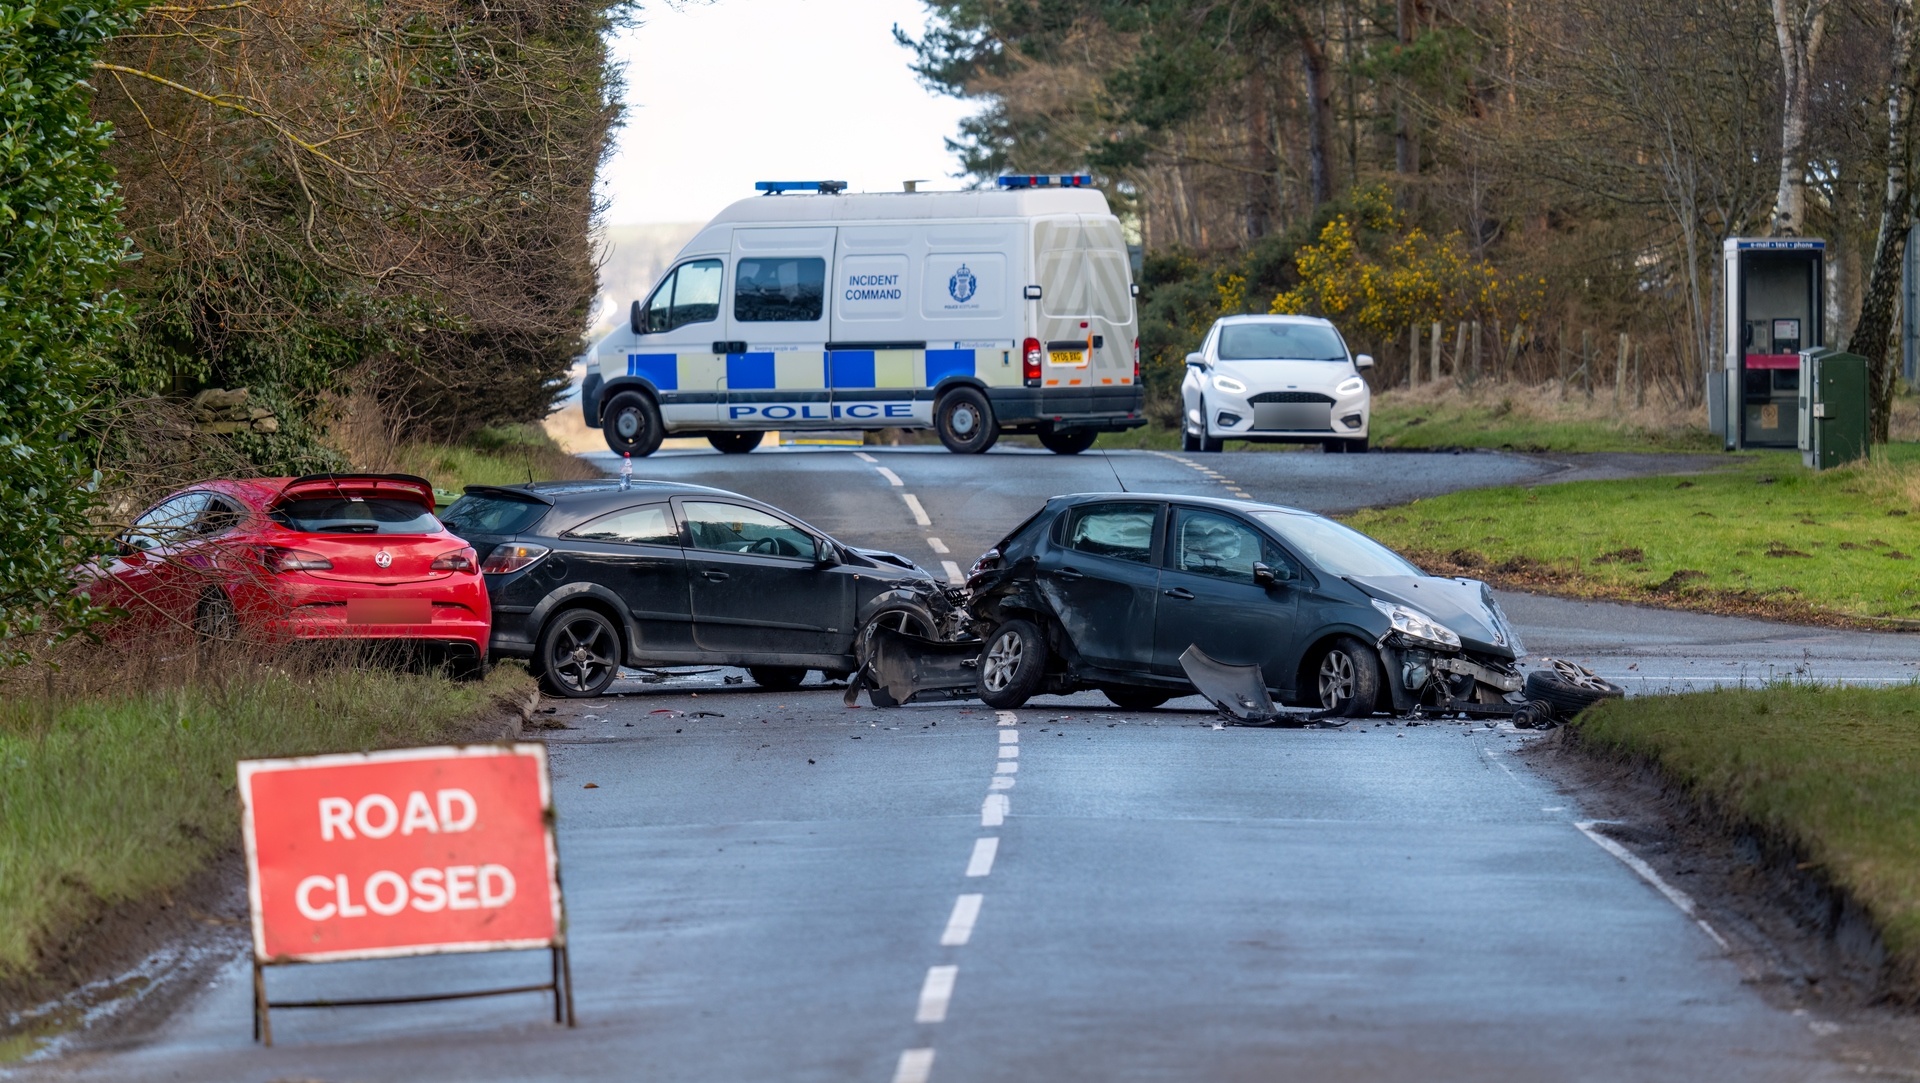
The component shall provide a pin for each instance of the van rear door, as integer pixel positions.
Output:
(1086, 305)
(777, 329)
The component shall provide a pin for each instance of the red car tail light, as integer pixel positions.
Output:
(988, 561)
(279, 560)
(460, 560)
(1136, 361)
(511, 558)
(1030, 362)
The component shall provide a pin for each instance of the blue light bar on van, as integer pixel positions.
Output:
(1061, 180)
(826, 188)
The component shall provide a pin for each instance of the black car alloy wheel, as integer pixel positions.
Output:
(1348, 679)
(579, 654)
(1012, 665)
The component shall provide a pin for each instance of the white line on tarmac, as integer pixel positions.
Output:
(935, 994)
(1006, 718)
(953, 572)
(982, 861)
(916, 1065)
(865, 456)
(1006, 767)
(1001, 782)
(919, 513)
(1680, 899)
(938, 546)
(993, 811)
(1009, 752)
(966, 911)
(892, 478)
(1009, 737)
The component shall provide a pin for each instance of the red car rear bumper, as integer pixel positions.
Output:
(455, 610)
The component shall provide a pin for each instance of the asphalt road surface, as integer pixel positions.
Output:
(784, 889)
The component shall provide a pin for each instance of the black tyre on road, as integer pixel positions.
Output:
(1070, 442)
(1347, 679)
(1337, 447)
(964, 420)
(777, 678)
(1569, 688)
(632, 424)
(734, 443)
(1136, 699)
(1201, 441)
(1012, 665)
(579, 654)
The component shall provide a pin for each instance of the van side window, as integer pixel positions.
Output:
(691, 294)
(779, 289)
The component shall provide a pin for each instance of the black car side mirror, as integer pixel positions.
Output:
(825, 555)
(1265, 576)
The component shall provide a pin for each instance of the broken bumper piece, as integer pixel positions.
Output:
(1240, 693)
(905, 666)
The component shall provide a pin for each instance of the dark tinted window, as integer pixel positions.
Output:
(649, 525)
(356, 515)
(1280, 342)
(773, 289)
(730, 528)
(1121, 531)
(486, 513)
(691, 294)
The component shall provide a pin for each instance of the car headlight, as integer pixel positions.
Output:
(1350, 386)
(1230, 385)
(1417, 626)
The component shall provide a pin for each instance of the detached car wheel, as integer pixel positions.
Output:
(631, 423)
(1569, 688)
(777, 678)
(1071, 442)
(1012, 665)
(579, 654)
(1348, 679)
(1136, 699)
(965, 421)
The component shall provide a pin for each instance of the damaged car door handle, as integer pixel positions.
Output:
(1181, 593)
(715, 576)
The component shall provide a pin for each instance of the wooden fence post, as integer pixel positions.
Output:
(1620, 372)
(1474, 373)
(1459, 352)
(1561, 377)
(1433, 352)
(1586, 361)
(1413, 356)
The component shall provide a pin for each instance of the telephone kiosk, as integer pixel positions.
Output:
(1775, 296)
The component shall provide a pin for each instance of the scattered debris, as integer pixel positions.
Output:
(591, 786)
(733, 680)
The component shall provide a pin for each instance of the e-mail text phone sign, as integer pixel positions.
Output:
(409, 852)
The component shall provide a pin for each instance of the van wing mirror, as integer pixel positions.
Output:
(1363, 361)
(637, 319)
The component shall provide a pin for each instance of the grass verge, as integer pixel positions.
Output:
(1832, 775)
(1764, 537)
(510, 455)
(1536, 419)
(121, 795)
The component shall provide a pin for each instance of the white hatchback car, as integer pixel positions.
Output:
(1275, 379)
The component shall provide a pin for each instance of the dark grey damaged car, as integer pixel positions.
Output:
(1109, 591)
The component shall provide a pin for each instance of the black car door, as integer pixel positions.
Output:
(1098, 572)
(759, 587)
(635, 552)
(1208, 597)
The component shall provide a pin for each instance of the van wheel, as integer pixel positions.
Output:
(1071, 442)
(734, 443)
(632, 425)
(965, 421)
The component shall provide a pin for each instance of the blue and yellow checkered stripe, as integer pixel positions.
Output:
(819, 370)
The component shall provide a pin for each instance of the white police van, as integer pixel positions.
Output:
(974, 313)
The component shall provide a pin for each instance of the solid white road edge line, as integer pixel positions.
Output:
(936, 993)
(892, 478)
(864, 456)
(966, 911)
(993, 811)
(953, 572)
(916, 1065)
(981, 863)
(919, 513)
(1006, 718)
(1680, 899)
(938, 546)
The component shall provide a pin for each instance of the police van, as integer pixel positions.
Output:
(973, 313)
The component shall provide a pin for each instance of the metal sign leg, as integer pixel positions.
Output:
(566, 970)
(262, 1022)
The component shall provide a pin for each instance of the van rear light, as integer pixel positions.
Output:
(280, 560)
(512, 558)
(1136, 360)
(460, 560)
(1030, 362)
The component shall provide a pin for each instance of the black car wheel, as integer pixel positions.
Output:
(214, 619)
(778, 678)
(1136, 699)
(734, 443)
(1012, 665)
(632, 425)
(1188, 441)
(1203, 441)
(898, 619)
(579, 654)
(965, 421)
(1348, 679)
(1569, 688)
(1071, 442)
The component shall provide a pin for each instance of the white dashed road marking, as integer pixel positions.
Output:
(935, 994)
(993, 811)
(892, 478)
(982, 861)
(1009, 752)
(938, 546)
(1009, 737)
(919, 513)
(865, 457)
(1680, 899)
(1006, 767)
(953, 572)
(966, 911)
(1006, 718)
(915, 1066)
(1000, 782)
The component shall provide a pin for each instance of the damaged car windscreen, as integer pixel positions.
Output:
(1121, 531)
(1335, 549)
(730, 528)
(1280, 342)
(355, 515)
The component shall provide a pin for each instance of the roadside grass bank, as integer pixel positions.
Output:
(1765, 537)
(1826, 779)
(509, 455)
(1542, 418)
(123, 793)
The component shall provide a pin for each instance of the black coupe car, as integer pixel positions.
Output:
(587, 576)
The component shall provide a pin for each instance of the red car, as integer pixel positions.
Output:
(327, 556)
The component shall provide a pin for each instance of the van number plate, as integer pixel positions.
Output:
(1067, 357)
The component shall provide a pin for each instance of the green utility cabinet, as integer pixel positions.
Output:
(1833, 408)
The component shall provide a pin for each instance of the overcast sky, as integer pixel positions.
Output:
(723, 93)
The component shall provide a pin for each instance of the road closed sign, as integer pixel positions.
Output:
(409, 852)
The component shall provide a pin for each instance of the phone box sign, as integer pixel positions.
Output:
(408, 852)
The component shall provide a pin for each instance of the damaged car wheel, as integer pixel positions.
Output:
(1348, 679)
(1013, 664)
(1136, 699)
(1569, 688)
(912, 621)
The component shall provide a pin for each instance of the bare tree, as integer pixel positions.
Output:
(1873, 332)
(1799, 26)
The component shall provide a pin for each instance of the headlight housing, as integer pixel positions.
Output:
(1350, 386)
(1418, 627)
(1230, 385)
